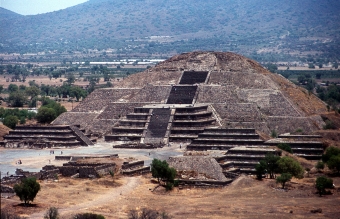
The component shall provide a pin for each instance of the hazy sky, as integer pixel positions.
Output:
(29, 7)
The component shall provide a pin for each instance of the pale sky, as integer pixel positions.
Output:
(31, 7)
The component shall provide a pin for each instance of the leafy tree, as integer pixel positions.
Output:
(285, 147)
(52, 213)
(162, 171)
(283, 179)
(77, 92)
(1, 88)
(12, 88)
(32, 91)
(27, 189)
(46, 115)
(261, 169)
(330, 151)
(70, 78)
(289, 165)
(334, 163)
(57, 107)
(322, 183)
(11, 121)
(271, 164)
(17, 98)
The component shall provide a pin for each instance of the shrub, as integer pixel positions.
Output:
(11, 121)
(8, 215)
(329, 125)
(330, 151)
(273, 134)
(52, 213)
(289, 165)
(322, 183)
(146, 213)
(285, 147)
(88, 216)
(260, 169)
(283, 179)
(320, 165)
(27, 189)
(334, 163)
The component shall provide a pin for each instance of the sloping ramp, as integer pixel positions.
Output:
(182, 95)
(80, 135)
(158, 125)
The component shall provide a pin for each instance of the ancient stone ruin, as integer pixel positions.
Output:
(179, 98)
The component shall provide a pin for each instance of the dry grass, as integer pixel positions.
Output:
(244, 198)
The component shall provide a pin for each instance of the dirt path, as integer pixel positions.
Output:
(110, 196)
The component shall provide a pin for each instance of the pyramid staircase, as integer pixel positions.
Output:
(224, 139)
(243, 159)
(131, 128)
(306, 146)
(47, 136)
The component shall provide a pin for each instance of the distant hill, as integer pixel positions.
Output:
(213, 25)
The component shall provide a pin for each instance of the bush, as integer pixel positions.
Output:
(52, 213)
(27, 189)
(283, 179)
(46, 115)
(285, 147)
(320, 165)
(260, 169)
(11, 121)
(329, 125)
(88, 216)
(7, 215)
(334, 163)
(330, 151)
(273, 134)
(169, 186)
(322, 183)
(146, 213)
(289, 165)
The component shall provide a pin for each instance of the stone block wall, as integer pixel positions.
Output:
(152, 94)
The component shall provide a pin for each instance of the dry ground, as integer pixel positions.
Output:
(244, 198)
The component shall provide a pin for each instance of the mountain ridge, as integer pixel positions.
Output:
(102, 23)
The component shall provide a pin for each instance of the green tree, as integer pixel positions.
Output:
(77, 92)
(32, 91)
(289, 165)
(162, 171)
(11, 121)
(334, 163)
(285, 147)
(17, 99)
(271, 164)
(1, 88)
(70, 78)
(283, 179)
(330, 151)
(320, 165)
(322, 183)
(46, 115)
(27, 189)
(12, 88)
(52, 213)
(261, 169)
